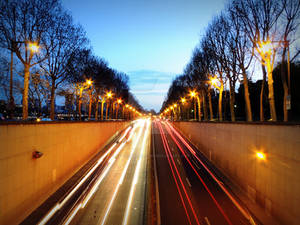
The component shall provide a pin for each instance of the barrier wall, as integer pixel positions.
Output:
(26, 182)
(274, 183)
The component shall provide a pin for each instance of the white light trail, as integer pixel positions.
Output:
(135, 178)
(122, 177)
(59, 205)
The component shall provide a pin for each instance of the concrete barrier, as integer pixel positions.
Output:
(26, 182)
(274, 183)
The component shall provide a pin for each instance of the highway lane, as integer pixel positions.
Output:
(120, 198)
(189, 192)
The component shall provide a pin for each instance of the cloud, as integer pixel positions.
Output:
(150, 87)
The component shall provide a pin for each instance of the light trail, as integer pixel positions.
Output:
(240, 208)
(122, 177)
(180, 179)
(174, 177)
(135, 178)
(73, 214)
(205, 186)
(61, 204)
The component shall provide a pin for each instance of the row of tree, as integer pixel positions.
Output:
(53, 56)
(247, 36)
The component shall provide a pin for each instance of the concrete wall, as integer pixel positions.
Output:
(273, 183)
(26, 182)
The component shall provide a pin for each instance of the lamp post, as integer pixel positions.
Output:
(90, 87)
(215, 83)
(194, 94)
(108, 96)
(119, 101)
(266, 51)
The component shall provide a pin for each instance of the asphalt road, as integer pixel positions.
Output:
(120, 196)
(189, 192)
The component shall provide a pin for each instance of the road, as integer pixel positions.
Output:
(189, 193)
(120, 198)
(111, 191)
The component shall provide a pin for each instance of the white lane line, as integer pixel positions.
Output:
(156, 181)
(122, 177)
(207, 221)
(135, 178)
(187, 180)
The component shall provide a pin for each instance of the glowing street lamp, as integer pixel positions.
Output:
(266, 50)
(33, 46)
(261, 155)
(119, 101)
(89, 82)
(109, 94)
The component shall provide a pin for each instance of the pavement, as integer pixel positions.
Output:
(120, 198)
(189, 192)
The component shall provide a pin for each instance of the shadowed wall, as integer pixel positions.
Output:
(26, 182)
(274, 183)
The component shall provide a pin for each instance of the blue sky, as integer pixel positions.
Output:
(151, 41)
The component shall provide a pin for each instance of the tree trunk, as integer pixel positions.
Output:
(271, 91)
(220, 103)
(199, 108)
(90, 104)
(285, 86)
(52, 100)
(204, 105)
(97, 108)
(117, 109)
(262, 117)
(25, 91)
(211, 114)
(246, 96)
(11, 97)
(231, 99)
(195, 116)
(106, 110)
(79, 108)
(102, 108)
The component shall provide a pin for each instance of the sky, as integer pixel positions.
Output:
(150, 40)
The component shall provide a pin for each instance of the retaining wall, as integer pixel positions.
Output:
(26, 182)
(274, 183)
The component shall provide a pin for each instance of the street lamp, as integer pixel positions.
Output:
(33, 46)
(108, 96)
(119, 101)
(266, 50)
(194, 94)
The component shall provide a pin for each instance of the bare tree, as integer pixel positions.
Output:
(259, 19)
(289, 22)
(23, 23)
(63, 39)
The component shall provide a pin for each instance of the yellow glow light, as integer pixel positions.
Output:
(183, 100)
(109, 94)
(119, 101)
(89, 82)
(126, 105)
(214, 81)
(38, 120)
(260, 155)
(192, 94)
(33, 47)
(266, 47)
(175, 105)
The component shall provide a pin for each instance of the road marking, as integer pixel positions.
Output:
(178, 162)
(135, 177)
(207, 221)
(187, 180)
(156, 182)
